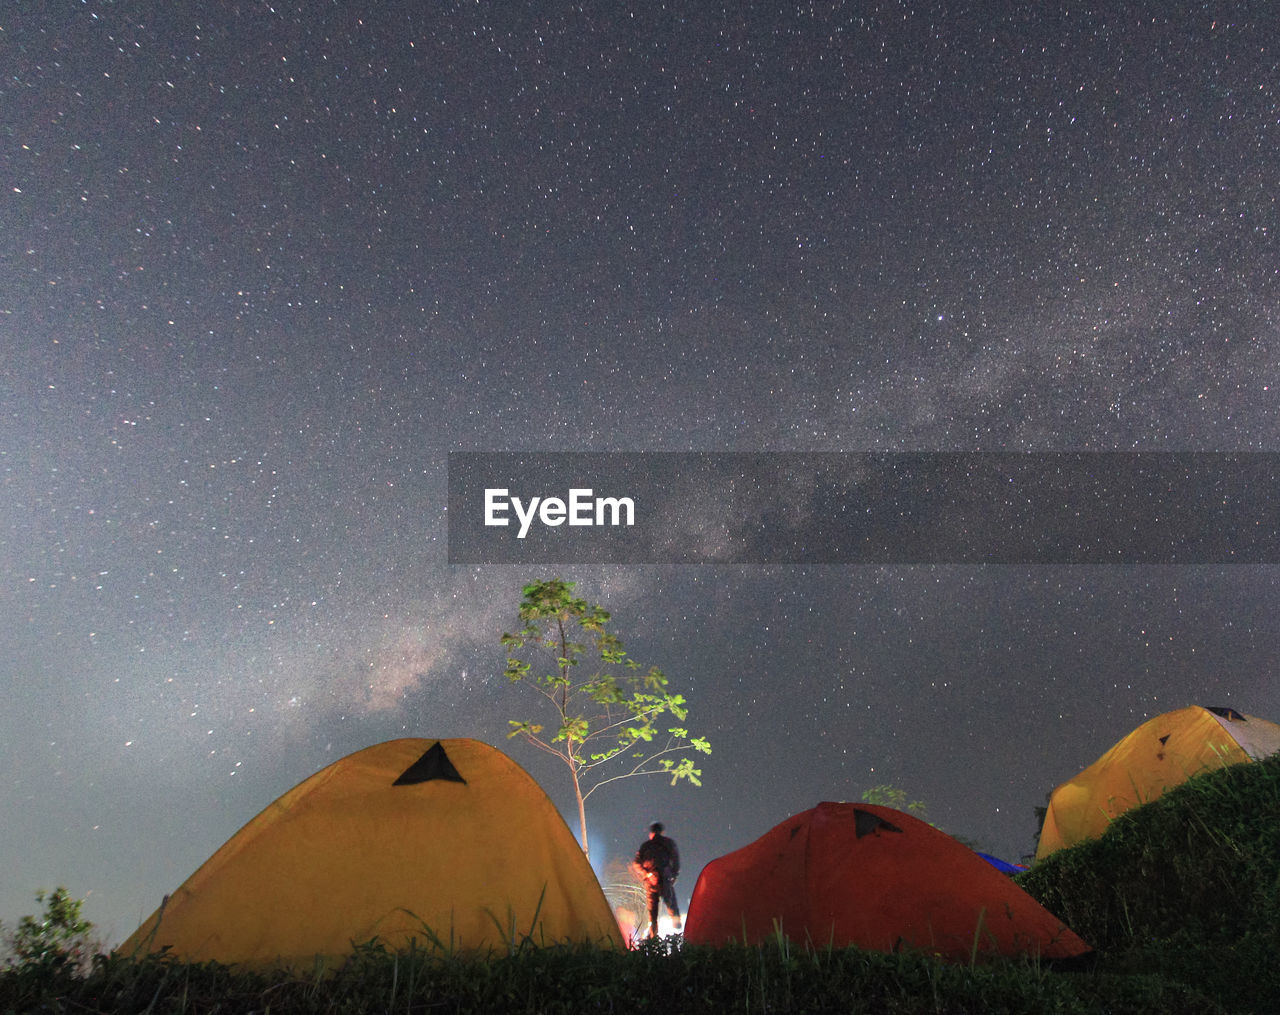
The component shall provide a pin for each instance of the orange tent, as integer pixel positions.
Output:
(1162, 752)
(857, 874)
(406, 840)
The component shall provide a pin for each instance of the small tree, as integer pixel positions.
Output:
(57, 940)
(886, 795)
(608, 715)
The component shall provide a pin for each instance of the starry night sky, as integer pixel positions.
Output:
(262, 267)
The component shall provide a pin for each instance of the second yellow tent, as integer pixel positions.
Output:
(1162, 752)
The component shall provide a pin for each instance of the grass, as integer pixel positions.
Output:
(1181, 899)
(658, 977)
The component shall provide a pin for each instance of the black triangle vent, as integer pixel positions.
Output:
(434, 764)
(1227, 713)
(866, 823)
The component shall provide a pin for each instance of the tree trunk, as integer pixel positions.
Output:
(582, 821)
(582, 805)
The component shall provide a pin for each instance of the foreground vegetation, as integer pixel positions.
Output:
(1186, 887)
(1181, 898)
(656, 978)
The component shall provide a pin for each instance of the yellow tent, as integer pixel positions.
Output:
(1162, 752)
(449, 835)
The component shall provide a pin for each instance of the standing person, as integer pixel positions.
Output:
(658, 861)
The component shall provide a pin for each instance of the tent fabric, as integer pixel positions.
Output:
(1162, 752)
(1258, 738)
(1003, 866)
(449, 835)
(857, 874)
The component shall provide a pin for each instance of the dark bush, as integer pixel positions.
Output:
(1187, 886)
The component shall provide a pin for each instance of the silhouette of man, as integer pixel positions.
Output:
(658, 861)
